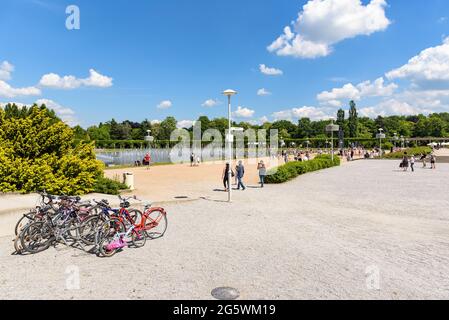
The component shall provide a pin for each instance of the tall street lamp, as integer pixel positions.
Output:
(229, 93)
(332, 128)
(395, 139)
(307, 142)
(380, 136)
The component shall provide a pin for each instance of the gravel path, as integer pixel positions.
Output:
(360, 231)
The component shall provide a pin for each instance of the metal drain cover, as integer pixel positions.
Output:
(225, 293)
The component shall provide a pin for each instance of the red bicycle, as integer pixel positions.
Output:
(153, 221)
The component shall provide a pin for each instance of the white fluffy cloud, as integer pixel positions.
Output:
(351, 92)
(185, 124)
(243, 112)
(270, 71)
(8, 91)
(19, 104)
(431, 66)
(95, 79)
(66, 114)
(165, 104)
(323, 23)
(210, 103)
(392, 107)
(263, 120)
(5, 70)
(303, 112)
(263, 92)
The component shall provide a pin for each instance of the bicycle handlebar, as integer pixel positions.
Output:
(128, 198)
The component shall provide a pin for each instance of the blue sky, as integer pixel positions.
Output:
(128, 58)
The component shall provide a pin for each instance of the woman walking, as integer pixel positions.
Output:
(225, 177)
(412, 163)
(262, 173)
(405, 162)
(423, 159)
(433, 161)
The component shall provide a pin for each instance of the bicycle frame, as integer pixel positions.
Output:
(146, 216)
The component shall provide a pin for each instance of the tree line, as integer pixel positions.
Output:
(352, 124)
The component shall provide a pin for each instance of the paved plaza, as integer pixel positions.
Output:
(364, 230)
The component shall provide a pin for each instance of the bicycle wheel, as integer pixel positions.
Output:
(156, 224)
(36, 237)
(18, 245)
(139, 238)
(136, 216)
(88, 229)
(109, 233)
(22, 223)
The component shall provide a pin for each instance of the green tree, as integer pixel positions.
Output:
(99, 133)
(36, 153)
(80, 133)
(167, 127)
(353, 120)
(304, 128)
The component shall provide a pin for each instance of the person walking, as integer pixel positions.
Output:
(412, 163)
(433, 160)
(262, 173)
(198, 161)
(423, 159)
(192, 159)
(405, 162)
(240, 172)
(225, 177)
(147, 160)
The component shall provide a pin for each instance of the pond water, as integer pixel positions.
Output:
(129, 156)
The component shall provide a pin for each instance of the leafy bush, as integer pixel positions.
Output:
(410, 151)
(109, 186)
(37, 152)
(292, 170)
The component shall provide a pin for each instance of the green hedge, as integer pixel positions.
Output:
(292, 170)
(411, 151)
(109, 186)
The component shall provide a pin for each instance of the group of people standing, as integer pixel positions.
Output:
(409, 162)
(194, 160)
(239, 174)
(146, 161)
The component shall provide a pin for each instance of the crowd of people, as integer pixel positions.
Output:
(409, 161)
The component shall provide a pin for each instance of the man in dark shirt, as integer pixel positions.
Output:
(240, 173)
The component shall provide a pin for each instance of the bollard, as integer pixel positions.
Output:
(128, 179)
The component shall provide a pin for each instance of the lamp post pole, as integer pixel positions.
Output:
(229, 93)
(381, 136)
(332, 127)
(229, 150)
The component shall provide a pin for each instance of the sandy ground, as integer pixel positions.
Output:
(360, 231)
(181, 181)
